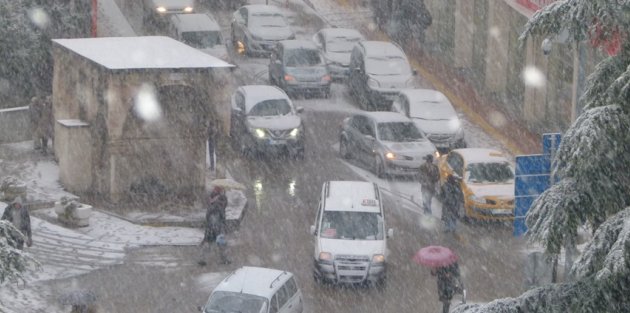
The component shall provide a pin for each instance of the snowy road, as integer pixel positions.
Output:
(283, 196)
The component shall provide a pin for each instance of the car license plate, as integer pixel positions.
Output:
(277, 142)
(501, 212)
(441, 145)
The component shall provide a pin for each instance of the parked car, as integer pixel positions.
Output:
(155, 11)
(257, 28)
(390, 143)
(200, 31)
(349, 231)
(296, 66)
(256, 290)
(378, 71)
(434, 115)
(336, 45)
(265, 120)
(487, 182)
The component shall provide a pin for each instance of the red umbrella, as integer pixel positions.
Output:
(435, 256)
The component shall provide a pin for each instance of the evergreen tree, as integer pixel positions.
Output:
(13, 262)
(592, 168)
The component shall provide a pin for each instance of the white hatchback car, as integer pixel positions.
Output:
(256, 290)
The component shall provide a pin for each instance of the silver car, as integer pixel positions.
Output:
(389, 143)
(336, 45)
(434, 115)
(264, 120)
(257, 28)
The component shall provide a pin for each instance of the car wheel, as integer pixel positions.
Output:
(343, 149)
(379, 167)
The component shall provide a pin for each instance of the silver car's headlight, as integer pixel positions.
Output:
(373, 83)
(259, 132)
(295, 132)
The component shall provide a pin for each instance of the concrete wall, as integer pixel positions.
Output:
(73, 141)
(480, 37)
(15, 125)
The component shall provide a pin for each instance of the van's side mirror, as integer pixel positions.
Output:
(369, 137)
(299, 109)
(414, 72)
(199, 308)
(312, 230)
(390, 233)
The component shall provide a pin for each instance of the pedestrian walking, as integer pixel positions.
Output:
(46, 121)
(449, 283)
(429, 177)
(452, 201)
(18, 215)
(215, 226)
(35, 114)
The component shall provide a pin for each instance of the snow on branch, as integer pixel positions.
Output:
(13, 262)
(608, 84)
(609, 251)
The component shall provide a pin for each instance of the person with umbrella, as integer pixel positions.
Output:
(452, 200)
(215, 224)
(443, 264)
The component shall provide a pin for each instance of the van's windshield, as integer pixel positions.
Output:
(352, 225)
(200, 40)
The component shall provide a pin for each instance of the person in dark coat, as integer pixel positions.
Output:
(18, 215)
(452, 200)
(413, 18)
(429, 177)
(449, 283)
(35, 113)
(215, 224)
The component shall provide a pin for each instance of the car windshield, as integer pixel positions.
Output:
(271, 108)
(352, 225)
(302, 58)
(399, 132)
(387, 66)
(202, 39)
(490, 173)
(224, 302)
(267, 20)
(432, 110)
(341, 44)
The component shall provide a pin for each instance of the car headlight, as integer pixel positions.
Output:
(325, 256)
(390, 156)
(373, 83)
(260, 133)
(294, 132)
(437, 154)
(474, 198)
(378, 258)
(188, 9)
(161, 9)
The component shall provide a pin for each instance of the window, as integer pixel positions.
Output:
(319, 215)
(202, 39)
(240, 101)
(291, 287)
(302, 58)
(271, 107)
(362, 125)
(283, 296)
(273, 307)
(399, 132)
(352, 225)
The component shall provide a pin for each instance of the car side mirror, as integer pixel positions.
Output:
(414, 72)
(369, 137)
(199, 308)
(299, 109)
(390, 233)
(312, 230)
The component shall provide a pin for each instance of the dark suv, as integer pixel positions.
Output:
(297, 66)
(378, 71)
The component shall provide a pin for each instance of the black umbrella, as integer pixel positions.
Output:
(78, 297)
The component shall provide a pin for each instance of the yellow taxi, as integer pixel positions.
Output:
(487, 182)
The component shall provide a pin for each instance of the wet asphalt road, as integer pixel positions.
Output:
(283, 195)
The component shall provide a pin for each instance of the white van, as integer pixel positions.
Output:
(349, 233)
(256, 290)
(200, 31)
